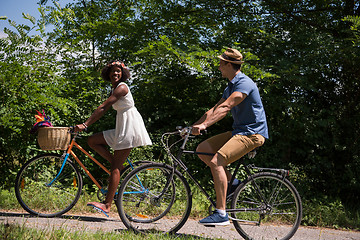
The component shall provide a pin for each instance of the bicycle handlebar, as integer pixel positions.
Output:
(184, 131)
(185, 134)
(76, 134)
(71, 129)
(187, 130)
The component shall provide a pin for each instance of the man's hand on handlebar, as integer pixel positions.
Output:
(197, 129)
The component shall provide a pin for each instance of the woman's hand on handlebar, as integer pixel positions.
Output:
(79, 128)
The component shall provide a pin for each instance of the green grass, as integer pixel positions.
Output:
(18, 232)
(327, 213)
(8, 201)
(321, 213)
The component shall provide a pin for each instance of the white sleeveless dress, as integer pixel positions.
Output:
(130, 129)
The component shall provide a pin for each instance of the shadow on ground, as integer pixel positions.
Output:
(97, 219)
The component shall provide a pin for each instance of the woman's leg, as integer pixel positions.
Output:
(97, 142)
(116, 167)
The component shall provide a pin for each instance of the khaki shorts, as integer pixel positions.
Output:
(234, 147)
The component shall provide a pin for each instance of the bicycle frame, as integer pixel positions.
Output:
(69, 152)
(177, 161)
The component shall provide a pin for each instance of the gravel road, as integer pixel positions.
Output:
(96, 221)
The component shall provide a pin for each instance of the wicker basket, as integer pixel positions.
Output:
(53, 138)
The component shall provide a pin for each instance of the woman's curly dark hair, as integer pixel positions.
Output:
(106, 70)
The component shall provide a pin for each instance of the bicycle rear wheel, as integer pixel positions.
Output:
(38, 190)
(143, 208)
(267, 207)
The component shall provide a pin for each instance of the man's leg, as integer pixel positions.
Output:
(218, 170)
(234, 148)
(219, 217)
(217, 165)
(212, 145)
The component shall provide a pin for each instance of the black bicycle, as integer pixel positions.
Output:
(264, 206)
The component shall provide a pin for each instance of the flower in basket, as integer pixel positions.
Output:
(41, 121)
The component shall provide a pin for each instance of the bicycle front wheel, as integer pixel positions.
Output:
(146, 205)
(266, 206)
(101, 193)
(129, 168)
(41, 191)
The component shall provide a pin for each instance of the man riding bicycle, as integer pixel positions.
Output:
(241, 97)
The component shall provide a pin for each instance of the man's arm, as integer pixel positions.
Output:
(203, 118)
(218, 112)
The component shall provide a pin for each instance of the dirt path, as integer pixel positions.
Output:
(94, 222)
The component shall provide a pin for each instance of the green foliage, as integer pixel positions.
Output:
(326, 212)
(303, 55)
(8, 200)
(355, 28)
(28, 82)
(33, 78)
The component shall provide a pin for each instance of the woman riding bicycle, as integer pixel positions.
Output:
(129, 130)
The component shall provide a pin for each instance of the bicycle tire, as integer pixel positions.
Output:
(34, 194)
(142, 212)
(276, 214)
(159, 216)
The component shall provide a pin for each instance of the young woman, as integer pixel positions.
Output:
(129, 130)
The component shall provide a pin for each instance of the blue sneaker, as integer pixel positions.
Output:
(215, 219)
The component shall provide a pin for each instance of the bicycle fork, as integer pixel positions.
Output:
(156, 201)
(66, 156)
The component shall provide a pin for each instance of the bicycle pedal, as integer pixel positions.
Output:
(97, 209)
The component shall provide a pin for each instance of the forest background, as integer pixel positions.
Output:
(303, 55)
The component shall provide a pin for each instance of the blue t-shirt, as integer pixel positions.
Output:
(249, 116)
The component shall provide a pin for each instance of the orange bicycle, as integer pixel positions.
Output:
(49, 185)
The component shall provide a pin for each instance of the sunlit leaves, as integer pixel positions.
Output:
(30, 80)
(303, 55)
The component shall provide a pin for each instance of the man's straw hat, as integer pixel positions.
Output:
(232, 55)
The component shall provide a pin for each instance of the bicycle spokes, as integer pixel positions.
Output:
(152, 205)
(269, 204)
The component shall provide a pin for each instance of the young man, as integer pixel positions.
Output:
(241, 97)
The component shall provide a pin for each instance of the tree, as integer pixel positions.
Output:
(313, 103)
(302, 54)
(33, 78)
(29, 81)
